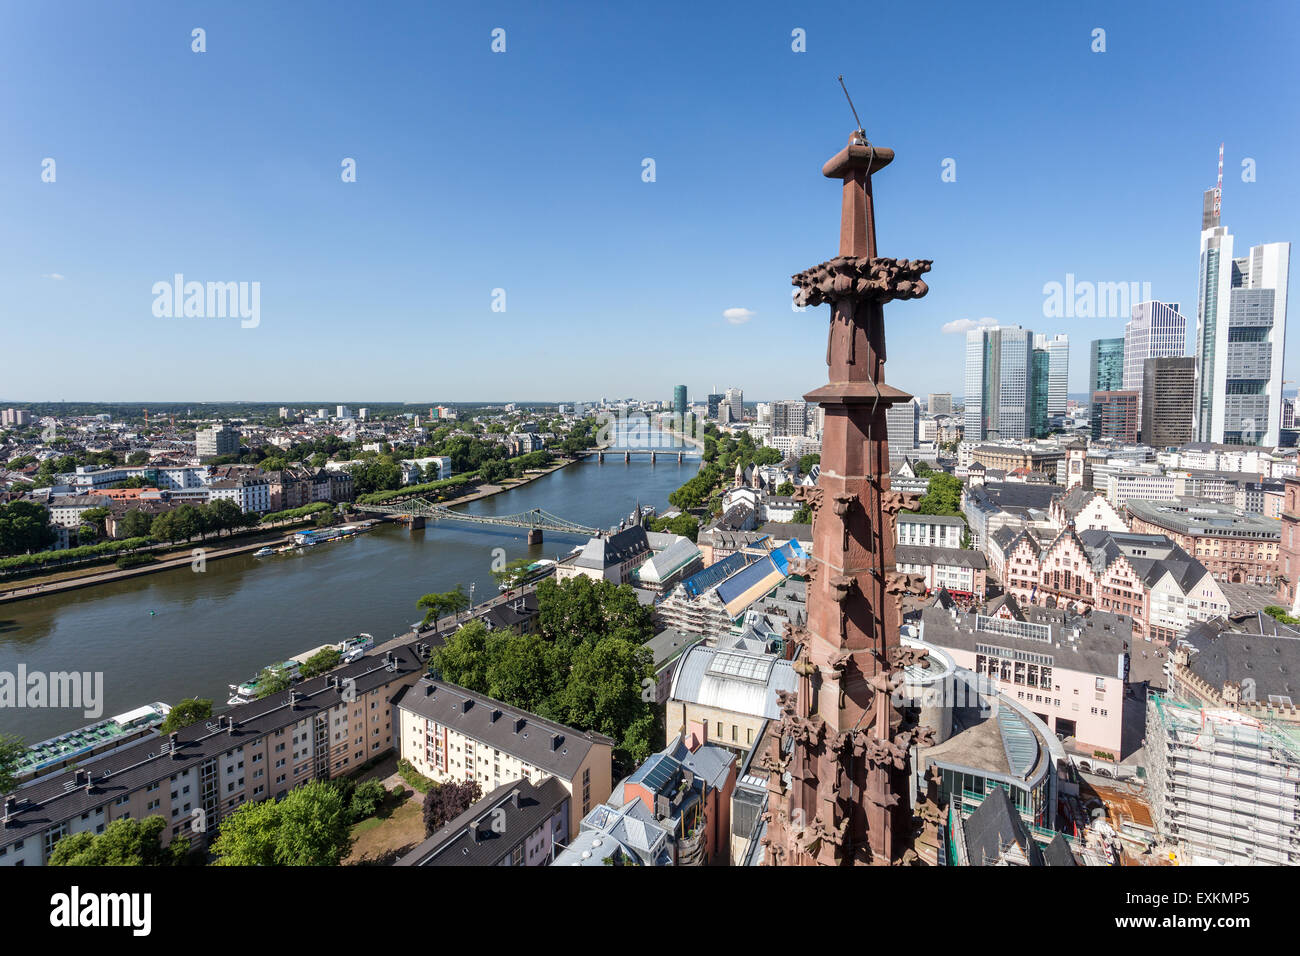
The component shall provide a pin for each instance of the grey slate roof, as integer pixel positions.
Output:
(486, 833)
(1058, 853)
(542, 743)
(1251, 647)
(993, 826)
(606, 552)
(927, 554)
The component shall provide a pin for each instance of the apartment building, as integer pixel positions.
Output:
(956, 570)
(1235, 547)
(933, 531)
(197, 776)
(449, 733)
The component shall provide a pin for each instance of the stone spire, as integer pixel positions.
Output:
(839, 792)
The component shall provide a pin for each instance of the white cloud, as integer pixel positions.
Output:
(58, 277)
(738, 316)
(965, 325)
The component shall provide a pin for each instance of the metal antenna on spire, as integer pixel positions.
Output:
(1218, 187)
(855, 112)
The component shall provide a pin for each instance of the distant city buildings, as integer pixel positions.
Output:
(939, 403)
(216, 441)
(1115, 416)
(680, 403)
(999, 382)
(1168, 395)
(11, 417)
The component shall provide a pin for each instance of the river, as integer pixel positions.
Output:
(181, 633)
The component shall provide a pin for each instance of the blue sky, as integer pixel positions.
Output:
(522, 171)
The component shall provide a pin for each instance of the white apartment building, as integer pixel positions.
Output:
(935, 531)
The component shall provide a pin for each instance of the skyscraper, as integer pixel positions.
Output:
(1106, 369)
(789, 418)
(1155, 330)
(679, 399)
(1039, 417)
(999, 382)
(1058, 383)
(1240, 334)
(903, 424)
(714, 401)
(1168, 394)
(735, 397)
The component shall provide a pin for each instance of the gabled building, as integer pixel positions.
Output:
(1085, 510)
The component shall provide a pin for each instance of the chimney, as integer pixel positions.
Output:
(662, 807)
(496, 714)
(232, 726)
(172, 740)
(519, 724)
(428, 690)
(11, 805)
(466, 704)
(79, 777)
(556, 740)
(293, 700)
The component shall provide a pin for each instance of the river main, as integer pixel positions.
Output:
(179, 633)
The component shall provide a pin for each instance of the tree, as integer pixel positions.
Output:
(124, 842)
(272, 682)
(327, 658)
(807, 461)
(366, 799)
(24, 527)
(446, 802)
(377, 474)
(137, 458)
(189, 711)
(440, 604)
(493, 472)
(135, 524)
(786, 488)
(603, 693)
(942, 496)
(581, 610)
(309, 827)
(12, 749)
(462, 659)
(512, 571)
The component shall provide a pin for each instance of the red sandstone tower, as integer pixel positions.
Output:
(838, 788)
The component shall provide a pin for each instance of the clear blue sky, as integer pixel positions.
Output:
(523, 171)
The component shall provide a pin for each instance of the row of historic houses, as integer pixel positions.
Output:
(1144, 577)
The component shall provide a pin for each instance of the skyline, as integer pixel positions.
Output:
(390, 280)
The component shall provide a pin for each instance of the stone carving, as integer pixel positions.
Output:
(901, 657)
(842, 585)
(892, 502)
(873, 280)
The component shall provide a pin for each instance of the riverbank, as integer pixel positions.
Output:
(59, 582)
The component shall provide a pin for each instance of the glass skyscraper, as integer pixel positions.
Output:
(999, 383)
(1106, 368)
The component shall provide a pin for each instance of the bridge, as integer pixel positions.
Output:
(535, 521)
(627, 453)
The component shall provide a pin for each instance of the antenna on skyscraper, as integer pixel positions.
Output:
(851, 107)
(1218, 187)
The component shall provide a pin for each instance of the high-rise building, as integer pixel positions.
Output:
(714, 401)
(216, 441)
(939, 403)
(1039, 417)
(789, 418)
(903, 424)
(1106, 368)
(343, 412)
(1058, 380)
(999, 382)
(735, 397)
(679, 399)
(1155, 330)
(1240, 335)
(1115, 416)
(1168, 393)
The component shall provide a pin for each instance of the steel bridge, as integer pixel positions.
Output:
(535, 521)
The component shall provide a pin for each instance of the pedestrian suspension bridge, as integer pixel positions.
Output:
(535, 521)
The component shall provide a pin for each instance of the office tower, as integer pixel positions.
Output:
(1240, 334)
(363, 413)
(1106, 369)
(789, 418)
(903, 424)
(939, 403)
(999, 383)
(1058, 354)
(679, 399)
(343, 412)
(1288, 413)
(1168, 393)
(714, 401)
(1041, 388)
(1115, 416)
(1155, 330)
(735, 397)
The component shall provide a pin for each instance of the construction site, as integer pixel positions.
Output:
(1224, 786)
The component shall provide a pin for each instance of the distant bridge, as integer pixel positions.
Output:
(627, 453)
(535, 521)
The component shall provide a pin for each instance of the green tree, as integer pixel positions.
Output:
(124, 842)
(493, 472)
(135, 524)
(942, 496)
(807, 461)
(603, 693)
(272, 681)
(24, 527)
(786, 488)
(189, 711)
(581, 610)
(309, 827)
(12, 749)
(439, 604)
(327, 658)
(512, 571)
(137, 458)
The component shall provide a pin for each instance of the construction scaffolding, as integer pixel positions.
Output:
(1224, 786)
